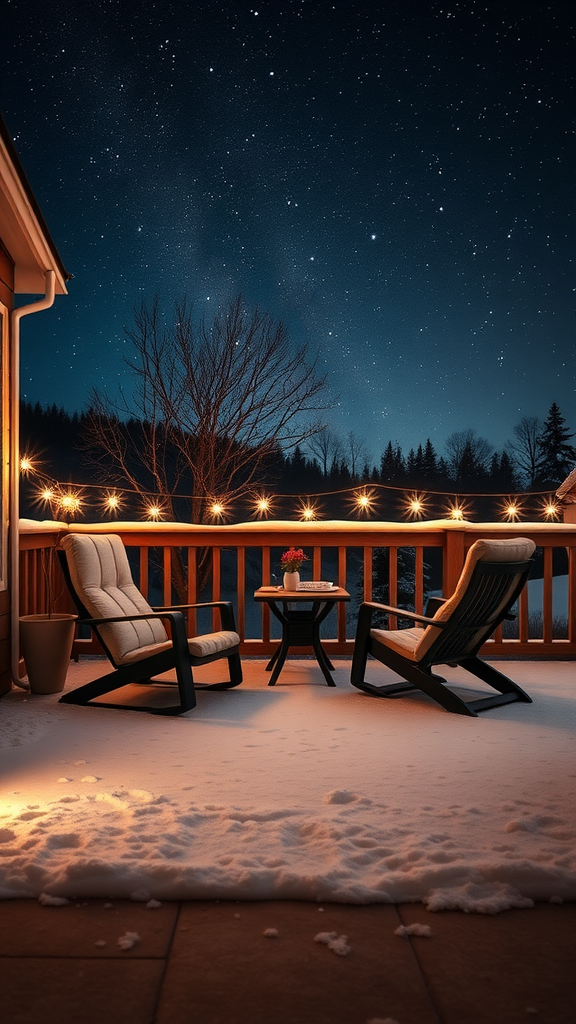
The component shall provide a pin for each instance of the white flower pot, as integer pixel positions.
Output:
(291, 580)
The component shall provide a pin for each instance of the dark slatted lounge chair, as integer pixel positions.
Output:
(132, 633)
(451, 632)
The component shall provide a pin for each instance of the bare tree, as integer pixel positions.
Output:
(212, 405)
(357, 454)
(526, 448)
(466, 447)
(326, 447)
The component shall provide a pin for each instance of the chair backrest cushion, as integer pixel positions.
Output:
(518, 549)
(101, 577)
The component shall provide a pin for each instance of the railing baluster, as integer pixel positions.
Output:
(264, 606)
(523, 617)
(419, 581)
(167, 581)
(144, 570)
(192, 589)
(572, 595)
(341, 607)
(393, 584)
(216, 585)
(547, 596)
(368, 553)
(241, 592)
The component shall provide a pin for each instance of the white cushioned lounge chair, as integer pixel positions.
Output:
(451, 632)
(132, 633)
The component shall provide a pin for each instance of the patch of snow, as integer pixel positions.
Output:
(128, 940)
(337, 943)
(52, 901)
(404, 931)
(480, 899)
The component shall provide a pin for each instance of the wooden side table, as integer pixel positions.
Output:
(300, 626)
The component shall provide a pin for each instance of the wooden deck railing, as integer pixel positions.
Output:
(408, 559)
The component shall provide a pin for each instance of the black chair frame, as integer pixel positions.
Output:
(461, 636)
(176, 657)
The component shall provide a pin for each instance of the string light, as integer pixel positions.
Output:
(362, 501)
(263, 505)
(70, 502)
(46, 494)
(511, 509)
(550, 510)
(112, 503)
(458, 510)
(154, 511)
(219, 509)
(308, 511)
(415, 506)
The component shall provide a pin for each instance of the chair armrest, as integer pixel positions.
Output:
(434, 603)
(174, 616)
(226, 610)
(402, 613)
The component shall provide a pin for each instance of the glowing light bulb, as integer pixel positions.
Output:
(363, 501)
(154, 512)
(70, 502)
(26, 464)
(550, 509)
(511, 509)
(112, 502)
(263, 505)
(307, 512)
(415, 505)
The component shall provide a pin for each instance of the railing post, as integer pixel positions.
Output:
(572, 595)
(453, 561)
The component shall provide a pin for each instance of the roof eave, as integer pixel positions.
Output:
(23, 229)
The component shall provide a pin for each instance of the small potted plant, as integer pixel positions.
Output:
(290, 563)
(46, 638)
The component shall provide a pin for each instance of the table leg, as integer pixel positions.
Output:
(273, 659)
(279, 658)
(323, 661)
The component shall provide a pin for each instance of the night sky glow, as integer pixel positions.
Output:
(394, 180)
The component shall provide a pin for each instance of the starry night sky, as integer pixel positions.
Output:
(394, 180)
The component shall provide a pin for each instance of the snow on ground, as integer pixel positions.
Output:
(296, 792)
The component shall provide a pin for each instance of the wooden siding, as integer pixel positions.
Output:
(7, 298)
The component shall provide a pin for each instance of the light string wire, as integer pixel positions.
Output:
(71, 499)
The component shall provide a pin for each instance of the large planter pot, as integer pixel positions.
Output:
(46, 645)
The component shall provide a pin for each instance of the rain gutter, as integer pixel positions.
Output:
(14, 469)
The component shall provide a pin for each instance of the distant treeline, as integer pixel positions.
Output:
(538, 457)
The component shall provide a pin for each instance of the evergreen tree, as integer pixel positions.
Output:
(388, 465)
(412, 468)
(429, 462)
(558, 456)
(507, 476)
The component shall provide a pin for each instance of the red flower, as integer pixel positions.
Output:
(292, 559)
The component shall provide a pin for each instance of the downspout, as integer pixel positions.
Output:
(14, 468)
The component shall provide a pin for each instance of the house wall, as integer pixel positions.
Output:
(6, 304)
